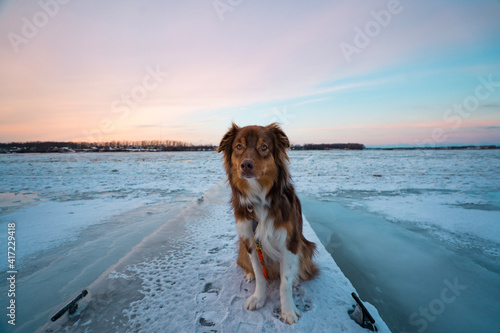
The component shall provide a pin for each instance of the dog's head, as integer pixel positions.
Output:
(255, 152)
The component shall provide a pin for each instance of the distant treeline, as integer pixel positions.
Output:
(328, 146)
(169, 145)
(145, 145)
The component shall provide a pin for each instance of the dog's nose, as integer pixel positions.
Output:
(247, 165)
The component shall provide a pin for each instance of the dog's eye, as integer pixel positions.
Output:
(239, 146)
(263, 147)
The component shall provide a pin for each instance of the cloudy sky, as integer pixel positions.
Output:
(374, 72)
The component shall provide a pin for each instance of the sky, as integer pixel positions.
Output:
(381, 73)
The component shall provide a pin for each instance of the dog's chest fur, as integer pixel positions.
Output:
(273, 240)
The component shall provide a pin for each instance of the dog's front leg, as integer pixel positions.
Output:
(289, 270)
(258, 299)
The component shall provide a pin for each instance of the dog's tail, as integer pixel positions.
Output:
(308, 268)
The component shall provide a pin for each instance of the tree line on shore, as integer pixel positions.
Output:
(57, 146)
(144, 145)
(171, 145)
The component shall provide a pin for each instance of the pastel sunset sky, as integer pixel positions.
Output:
(382, 73)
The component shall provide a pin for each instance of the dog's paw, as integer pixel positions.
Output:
(255, 302)
(290, 316)
(250, 277)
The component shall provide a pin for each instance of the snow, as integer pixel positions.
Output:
(89, 176)
(453, 195)
(81, 190)
(77, 215)
(453, 218)
(339, 171)
(54, 197)
(67, 219)
(184, 278)
(431, 217)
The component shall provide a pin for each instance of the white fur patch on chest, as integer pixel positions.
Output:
(273, 241)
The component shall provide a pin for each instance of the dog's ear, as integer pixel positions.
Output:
(227, 141)
(281, 138)
(281, 144)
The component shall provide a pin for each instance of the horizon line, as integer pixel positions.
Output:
(173, 143)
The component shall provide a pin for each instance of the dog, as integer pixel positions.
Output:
(268, 214)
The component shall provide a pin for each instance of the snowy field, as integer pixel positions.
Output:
(430, 217)
(452, 194)
(54, 197)
(78, 214)
(184, 278)
(404, 226)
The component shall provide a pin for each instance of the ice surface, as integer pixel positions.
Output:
(402, 223)
(453, 195)
(184, 278)
(67, 220)
(81, 213)
(54, 197)
(379, 171)
(402, 271)
(78, 214)
(92, 176)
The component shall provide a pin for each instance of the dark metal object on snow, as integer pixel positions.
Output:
(71, 307)
(361, 315)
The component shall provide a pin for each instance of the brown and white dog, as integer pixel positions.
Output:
(268, 213)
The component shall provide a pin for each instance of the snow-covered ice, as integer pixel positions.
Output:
(452, 195)
(77, 214)
(403, 224)
(54, 197)
(398, 223)
(184, 278)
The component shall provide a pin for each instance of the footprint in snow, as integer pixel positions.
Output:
(303, 304)
(277, 312)
(207, 323)
(302, 301)
(210, 293)
(216, 249)
(245, 286)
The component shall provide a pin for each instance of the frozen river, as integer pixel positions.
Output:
(416, 232)
(77, 214)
